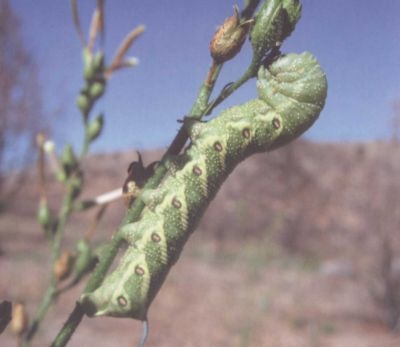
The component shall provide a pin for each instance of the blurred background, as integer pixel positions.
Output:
(300, 248)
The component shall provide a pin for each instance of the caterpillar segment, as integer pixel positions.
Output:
(292, 92)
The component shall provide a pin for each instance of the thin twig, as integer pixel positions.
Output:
(126, 43)
(77, 22)
(93, 226)
(40, 140)
(95, 28)
(51, 291)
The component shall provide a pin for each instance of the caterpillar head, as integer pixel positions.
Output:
(295, 87)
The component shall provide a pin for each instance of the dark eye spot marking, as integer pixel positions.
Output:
(176, 203)
(218, 147)
(139, 270)
(276, 123)
(197, 171)
(122, 301)
(246, 133)
(155, 237)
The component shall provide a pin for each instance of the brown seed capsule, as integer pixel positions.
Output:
(229, 38)
(63, 266)
(19, 321)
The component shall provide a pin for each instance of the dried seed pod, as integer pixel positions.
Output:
(229, 38)
(63, 266)
(19, 321)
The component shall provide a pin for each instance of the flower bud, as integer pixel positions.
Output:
(19, 321)
(75, 184)
(49, 146)
(68, 159)
(96, 89)
(61, 176)
(88, 66)
(229, 38)
(93, 65)
(44, 216)
(98, 62)
(275, 21)
(94, 128)
(292, 15)
(266, 32)
(83, 103)
(63, 266)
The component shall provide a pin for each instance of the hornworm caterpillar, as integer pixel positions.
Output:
(292, 93)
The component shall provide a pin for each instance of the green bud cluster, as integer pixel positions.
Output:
(95, 82)
(274, 22)
(94, 128)
(70, 172)
(75, 184)
(45, 218)
(93, 64)
(69, 162)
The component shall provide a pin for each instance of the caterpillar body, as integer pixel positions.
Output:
(292, 93)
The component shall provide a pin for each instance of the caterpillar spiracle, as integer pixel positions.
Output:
(292, 93)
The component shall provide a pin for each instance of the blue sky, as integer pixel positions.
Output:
(356, 42)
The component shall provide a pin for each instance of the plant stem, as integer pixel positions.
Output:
(85, 147)
(229, 90)
(51, 291)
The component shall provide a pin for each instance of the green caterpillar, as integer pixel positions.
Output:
(292, 93)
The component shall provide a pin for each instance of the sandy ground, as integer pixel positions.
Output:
(240, 296)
